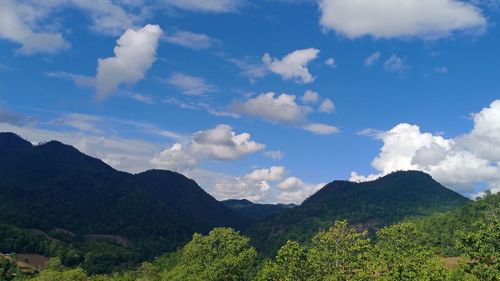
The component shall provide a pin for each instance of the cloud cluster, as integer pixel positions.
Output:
(399, 18)
(15, 26)
(466, 163)
(294, 65)
(220, 143)
(260, 185)
(135, 53)
(284, 109)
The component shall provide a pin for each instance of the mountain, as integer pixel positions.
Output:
(255, 211)
(55, 186)
(368, 205)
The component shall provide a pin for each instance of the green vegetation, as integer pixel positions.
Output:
(369, 206)
(399, 252)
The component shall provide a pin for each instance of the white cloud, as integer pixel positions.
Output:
(79, 80)
(17, 24)
(143, 98)
(274, 154)
(275, 173)
(219, 143)
(212, 6)
(250, 67)
(280, 109)
(310, 97)
(327, 106)
(372, 59)
(399, 18)
(135, 53)
(396, 64)
(294, 65)
(462, 163)
(261, 186)
(291, 183)
(108, 17)
(320, 129)
(331, 62)
(190, 85)
(190, 40)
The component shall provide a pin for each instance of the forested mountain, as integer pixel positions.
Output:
(58, 202)
(256, 211)
(53, 185)
(368, 205)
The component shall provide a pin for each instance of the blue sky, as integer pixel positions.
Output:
(216, 89)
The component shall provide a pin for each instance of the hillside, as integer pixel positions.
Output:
(256, 211)
(368, 205)
(53, 185)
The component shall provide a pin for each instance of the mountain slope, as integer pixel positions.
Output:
(368, 205)
(53, 185)
(256, 211)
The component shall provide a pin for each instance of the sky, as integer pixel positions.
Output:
(266, 100)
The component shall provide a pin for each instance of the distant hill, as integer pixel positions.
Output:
(53, 185)
(256, 211)
(368, 205)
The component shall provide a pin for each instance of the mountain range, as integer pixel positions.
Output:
(54, 186)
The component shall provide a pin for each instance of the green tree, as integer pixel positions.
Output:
(341, 253)
(482, 249)
(290, 265)
(400, 255)
(222, 255)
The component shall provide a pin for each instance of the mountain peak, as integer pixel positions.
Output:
(10, 141)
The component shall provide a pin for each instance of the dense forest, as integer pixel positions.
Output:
(67, 216)
(403, 251)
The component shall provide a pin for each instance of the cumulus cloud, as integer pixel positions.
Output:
(281, 109)
(294, 65)
(274, 173)
(327, 106)
(15, 26)
(190, 85)
(268, 185)
(190, 40)
(393, 18)
(220, 143)
(464, 163)
(310, 97)
(211, 6)
(135, 53)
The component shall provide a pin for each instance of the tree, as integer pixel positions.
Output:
(482, 249)
(290, 265)
(399, 254)
(222, 255)
(341, 253)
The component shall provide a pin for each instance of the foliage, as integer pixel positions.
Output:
(222, 255)
(400, 255)
(482, 249)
